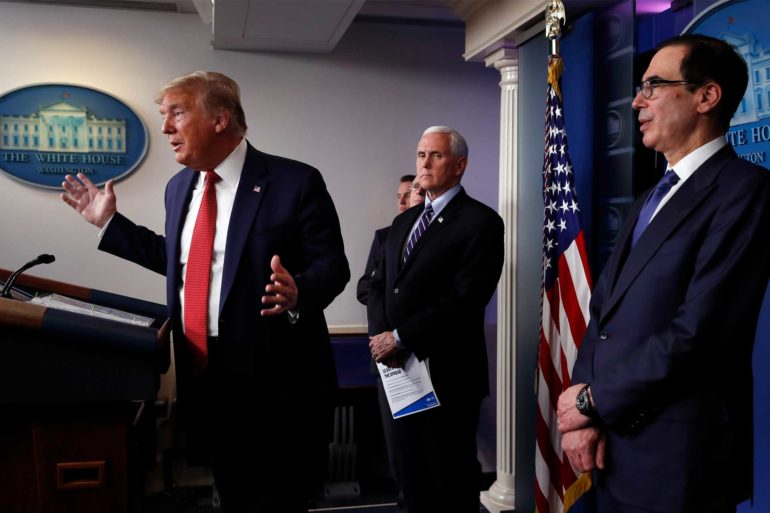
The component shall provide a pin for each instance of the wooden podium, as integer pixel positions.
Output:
(73, 388)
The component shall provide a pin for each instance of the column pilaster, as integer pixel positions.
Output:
(501, 496)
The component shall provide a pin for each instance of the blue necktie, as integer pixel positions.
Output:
(427, 215)
(653, 200)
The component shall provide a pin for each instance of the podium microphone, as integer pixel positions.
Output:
(41, 259)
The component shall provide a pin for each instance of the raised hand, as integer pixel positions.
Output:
(281, 291)
(95, 205)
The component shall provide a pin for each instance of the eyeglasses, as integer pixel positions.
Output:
(647, 86)
(417, 189)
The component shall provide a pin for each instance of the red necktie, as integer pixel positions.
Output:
(197, 277)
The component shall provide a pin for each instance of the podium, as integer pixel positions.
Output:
(73, 391)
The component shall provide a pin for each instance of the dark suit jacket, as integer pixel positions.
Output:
(668, 349)
(365, 281)
(437, 298)
(281, 207)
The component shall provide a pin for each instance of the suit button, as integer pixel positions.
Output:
(395, 291)
(602, 335)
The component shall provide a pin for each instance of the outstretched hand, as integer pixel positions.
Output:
(95, 205)
(281, 291)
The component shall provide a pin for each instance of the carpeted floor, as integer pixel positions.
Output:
(199, 500)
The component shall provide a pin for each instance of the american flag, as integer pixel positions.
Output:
(565, 293)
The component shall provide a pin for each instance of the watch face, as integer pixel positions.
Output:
(581, 402)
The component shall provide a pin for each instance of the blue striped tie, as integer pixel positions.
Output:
(427, 215)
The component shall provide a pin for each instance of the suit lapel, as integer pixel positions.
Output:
(177, 213)
(615, 264)
(251, 188)
(674, 212)
(443, 219)
(402, 227)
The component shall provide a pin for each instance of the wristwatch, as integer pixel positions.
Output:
(583, 403)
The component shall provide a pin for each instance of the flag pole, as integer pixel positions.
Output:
(565, 292)
(555, 16)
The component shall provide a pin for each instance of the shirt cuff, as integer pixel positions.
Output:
(104, 228)
(399, 344)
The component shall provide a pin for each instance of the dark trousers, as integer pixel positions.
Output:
(607, 503)
(441, 468)
(268, 444)
(394, 442)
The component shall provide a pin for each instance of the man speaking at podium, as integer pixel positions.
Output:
(252, 254)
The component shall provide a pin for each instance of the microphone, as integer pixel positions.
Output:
(41, 259)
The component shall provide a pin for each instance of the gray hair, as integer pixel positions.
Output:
(456, 140)
(216, 92)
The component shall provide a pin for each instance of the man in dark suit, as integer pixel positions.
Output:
(253, 358)
(439, 270)
(662, 400)
(403, 200)
(403, 197)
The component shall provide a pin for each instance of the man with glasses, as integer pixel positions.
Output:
(661, 405)
(416, 194)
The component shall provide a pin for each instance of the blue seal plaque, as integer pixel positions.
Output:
(744, 24)
(51, 130)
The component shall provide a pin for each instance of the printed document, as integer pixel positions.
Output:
(408, 388)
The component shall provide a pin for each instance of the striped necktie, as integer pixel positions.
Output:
(427, 215)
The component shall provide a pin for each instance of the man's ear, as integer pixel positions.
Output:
(221, 120)
(709, 96)
(462, 162)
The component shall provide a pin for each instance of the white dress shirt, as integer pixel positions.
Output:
(689, 164)
(229, 170)
(438, 205)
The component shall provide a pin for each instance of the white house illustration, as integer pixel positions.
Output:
(62, 127)
(755, 104)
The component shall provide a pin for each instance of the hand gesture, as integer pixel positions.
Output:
(281, 291)
(96, 206)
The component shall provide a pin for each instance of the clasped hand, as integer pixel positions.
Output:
(583, 444)
(385, 349)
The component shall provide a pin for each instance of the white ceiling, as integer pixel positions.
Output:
(305, 25)
(309, 25)
(282, 25)
(279, 25)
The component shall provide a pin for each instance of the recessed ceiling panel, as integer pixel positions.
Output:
(288, 25)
